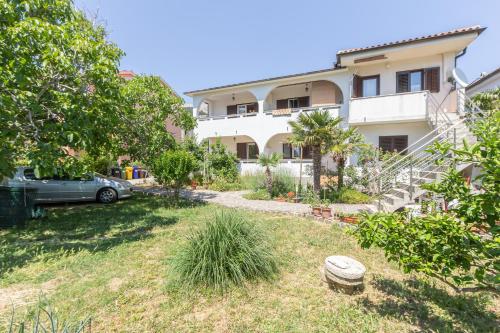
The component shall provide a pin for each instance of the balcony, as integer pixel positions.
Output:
(404, 107)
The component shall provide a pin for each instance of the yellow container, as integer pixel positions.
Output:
(128, 172)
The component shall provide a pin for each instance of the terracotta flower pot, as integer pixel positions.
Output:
(316, 211)
(326, 213)
(280, 199)
(349, 219)
(193, 187)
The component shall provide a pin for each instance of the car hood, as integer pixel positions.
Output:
(114, 180)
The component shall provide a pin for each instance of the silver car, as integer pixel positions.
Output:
(92, 187)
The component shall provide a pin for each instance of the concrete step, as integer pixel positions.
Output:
(400, 193)
(393, 200)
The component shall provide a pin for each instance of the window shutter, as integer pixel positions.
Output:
(307, 154)
(357, 86)
(303, 102)
(431, 79)
(287, 150)
(385, 143)
(241, 151)
(402, 82)
(232, 109)
(282, 104)
(400, 143)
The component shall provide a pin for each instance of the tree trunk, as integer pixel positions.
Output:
(316, 155)
(269, 181)
(340, 173)
(299, 192)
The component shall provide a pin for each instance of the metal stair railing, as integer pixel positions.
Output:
(416, 162)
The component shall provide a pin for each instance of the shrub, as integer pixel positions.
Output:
(220, 184)
(283, 182)
(222, 163)
(227, 251)
(349, 196)
(173, 167)
(257, 195)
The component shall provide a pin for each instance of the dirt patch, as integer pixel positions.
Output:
(24, 295)
(114, 284)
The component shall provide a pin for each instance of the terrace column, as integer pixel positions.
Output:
(261, 106)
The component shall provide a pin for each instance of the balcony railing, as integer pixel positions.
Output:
(274, 112)
(389, 108)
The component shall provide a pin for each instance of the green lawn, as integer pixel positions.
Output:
(111, 262)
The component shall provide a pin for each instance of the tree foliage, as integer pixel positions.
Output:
(447, 245)
(314, 129)
(222, 163)
(267, 162)
(172, 168)
(148, 104)
(58, 84)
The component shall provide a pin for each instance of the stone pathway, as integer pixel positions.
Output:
(235, 200)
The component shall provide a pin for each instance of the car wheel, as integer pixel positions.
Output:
(107, 195)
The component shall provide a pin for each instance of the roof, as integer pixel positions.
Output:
(455, 32)
(483, 78)
(264, 80)
(126, 74)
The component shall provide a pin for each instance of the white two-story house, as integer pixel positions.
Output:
(391, 92)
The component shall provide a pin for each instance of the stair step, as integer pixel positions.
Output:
(392, 199)
(400, 193)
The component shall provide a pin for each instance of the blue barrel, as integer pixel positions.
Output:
(135, 173)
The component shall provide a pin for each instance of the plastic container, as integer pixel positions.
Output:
(128, 173)
(116, 172)
(135, 173)
(16, 205)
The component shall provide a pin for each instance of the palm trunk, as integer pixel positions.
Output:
(340, 172)
(299, 192)
(316, 155)
(269, 181)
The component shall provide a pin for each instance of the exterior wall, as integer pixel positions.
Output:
(490, 83)
(387, 72)
(230, 142)
(414, 130)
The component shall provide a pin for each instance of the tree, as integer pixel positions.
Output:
(148, 103)
(298, 141)
(345, 142)
(172, 168)
(59, 89)
(268, 161)
(315, 129)
(447, 245)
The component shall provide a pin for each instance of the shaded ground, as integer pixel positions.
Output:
(112, 262)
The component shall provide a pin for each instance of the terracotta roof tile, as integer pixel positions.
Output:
(459, 31)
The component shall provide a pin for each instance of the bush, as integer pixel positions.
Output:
(172, 168)
(257, 195)
(222, 163)
(349, 196)
(220, 184)
(227, 251)
(283, 182)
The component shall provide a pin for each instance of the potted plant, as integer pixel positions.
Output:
(315, 206)
(290, 195)
(280, 198)
(348, 218)
(326, 211)
(194, 184)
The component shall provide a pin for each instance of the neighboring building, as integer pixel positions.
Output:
(391, 92)
(486, 82)
(176, 131)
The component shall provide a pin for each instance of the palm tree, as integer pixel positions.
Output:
(268, 161)
(315, 129)
(345, 142)
(298, 142)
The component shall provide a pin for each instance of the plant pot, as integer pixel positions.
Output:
(349, 219)
(296, 200)
(326, 213)
(316, 211)
(193, 187)
(280, 199)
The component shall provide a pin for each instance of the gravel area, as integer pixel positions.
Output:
(234, 199)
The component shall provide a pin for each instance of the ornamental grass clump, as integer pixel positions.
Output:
(228, 251)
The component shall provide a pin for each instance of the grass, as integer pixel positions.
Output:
(261, 194)
(114, 263)
(227, 251)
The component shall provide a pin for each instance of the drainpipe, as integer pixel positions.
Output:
(461, 54)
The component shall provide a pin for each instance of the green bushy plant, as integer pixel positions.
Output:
(227, 251)
(258, 195)
(173, 168)
(222, 163)
(349, 196)
(221, 184)
(282, 183)
(252, 181)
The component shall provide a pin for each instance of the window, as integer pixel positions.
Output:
(293, 103)
(366, 86)
(418, 80)
(293, 152)
(247, 150)
(242, 108)
(29, 174)
(393, 143)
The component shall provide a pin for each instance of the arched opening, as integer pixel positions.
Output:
(232, 104)
(303, 95)
(244, 146)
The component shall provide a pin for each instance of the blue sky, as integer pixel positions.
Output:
(196, 44)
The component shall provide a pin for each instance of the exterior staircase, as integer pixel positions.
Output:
(397, 182)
